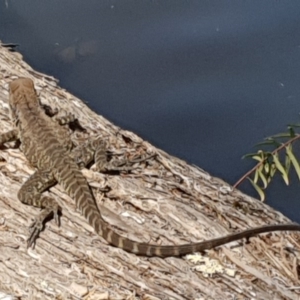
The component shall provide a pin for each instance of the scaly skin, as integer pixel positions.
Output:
(48, 147)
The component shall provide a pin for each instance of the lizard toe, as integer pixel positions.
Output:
(34, 230)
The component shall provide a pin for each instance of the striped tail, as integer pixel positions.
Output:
(70, 177)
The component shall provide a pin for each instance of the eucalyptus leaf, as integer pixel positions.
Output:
(293, 160)
(281, 169)
(263, 178)
(258, 189)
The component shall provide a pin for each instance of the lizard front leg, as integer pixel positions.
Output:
(31, 194)
(96, 150)
(68, 119)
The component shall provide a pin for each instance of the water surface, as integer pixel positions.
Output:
(203, 80)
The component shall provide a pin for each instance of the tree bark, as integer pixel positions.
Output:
(163, 201)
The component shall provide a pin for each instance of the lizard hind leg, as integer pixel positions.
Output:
(31, 194)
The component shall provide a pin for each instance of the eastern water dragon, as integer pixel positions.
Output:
(48, 148)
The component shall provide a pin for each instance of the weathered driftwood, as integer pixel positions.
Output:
(166, 201)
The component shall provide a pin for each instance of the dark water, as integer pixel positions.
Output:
(203, 80)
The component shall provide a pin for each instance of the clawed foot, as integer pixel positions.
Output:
(38, 224)
(49, 111)
(34, 230)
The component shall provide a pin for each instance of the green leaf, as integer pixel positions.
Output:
(258, 158)
(266, 143)
(287, 158)
(293, 160)
(269, 138)
(249, 155)
(287, 163)
(267, 167)
(275, 143)
(267, 171)
(256, 176)
(258, 189)
(281, 169)
(294, 125)
(273, 170)
(263, 178)
(292, 131)
(282, 135)
(257, 171)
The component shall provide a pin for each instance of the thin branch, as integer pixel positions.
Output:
(260, 163)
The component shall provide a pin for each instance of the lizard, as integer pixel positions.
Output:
(49, 149)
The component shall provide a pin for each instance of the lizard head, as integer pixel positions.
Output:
(21, 94)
